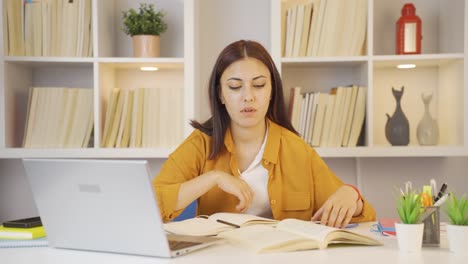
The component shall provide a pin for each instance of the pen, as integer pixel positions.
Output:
(441, 192)
(442, 200)
(227, 223)
(351, 225)
(434, 189)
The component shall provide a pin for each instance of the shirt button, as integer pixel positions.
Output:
(273, 202)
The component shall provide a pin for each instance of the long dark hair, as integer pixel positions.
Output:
(219, 121)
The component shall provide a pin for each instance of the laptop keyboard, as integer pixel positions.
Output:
(176, 245)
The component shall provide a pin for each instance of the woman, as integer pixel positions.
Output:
(248, 158)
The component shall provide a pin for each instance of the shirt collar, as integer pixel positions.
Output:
(272, 144)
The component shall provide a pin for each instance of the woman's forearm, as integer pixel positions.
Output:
(192, 189)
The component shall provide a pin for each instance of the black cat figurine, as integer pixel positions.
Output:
(397, 127)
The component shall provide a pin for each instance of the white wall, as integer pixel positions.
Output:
(379, 178)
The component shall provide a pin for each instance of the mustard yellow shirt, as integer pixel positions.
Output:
(299, 180)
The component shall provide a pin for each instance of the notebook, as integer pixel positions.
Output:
(14, 243)
(103, 205)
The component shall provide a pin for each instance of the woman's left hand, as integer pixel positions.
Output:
(338, 210)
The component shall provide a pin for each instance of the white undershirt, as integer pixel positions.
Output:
(256, 177)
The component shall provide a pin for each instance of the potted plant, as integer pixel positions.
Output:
(145, 27)
(410, 230)
(457, 231)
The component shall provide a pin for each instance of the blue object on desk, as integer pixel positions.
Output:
(353, 225)
(189, 212)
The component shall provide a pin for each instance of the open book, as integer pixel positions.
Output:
(214, 224)
(292, 235)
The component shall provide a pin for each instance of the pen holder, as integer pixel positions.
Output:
(431, 233)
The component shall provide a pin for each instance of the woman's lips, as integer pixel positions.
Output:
(248, 111)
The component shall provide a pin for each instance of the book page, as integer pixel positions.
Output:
(196, 227)
(306, 228)
(324, 234)
(262, 239)
(241, 219)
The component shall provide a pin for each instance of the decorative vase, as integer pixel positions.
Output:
(409, 236)
(457, 238)
(145, 46)
(428, 130)
(397, 127)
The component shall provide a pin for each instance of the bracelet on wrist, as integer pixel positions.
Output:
(357, 191)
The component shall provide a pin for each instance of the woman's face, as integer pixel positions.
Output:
(246, 92)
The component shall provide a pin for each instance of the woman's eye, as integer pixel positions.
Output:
(259, 85)
(234, 87)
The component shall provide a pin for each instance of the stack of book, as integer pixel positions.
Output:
(323, 27)
(48, 28)
(332, 119)
(59, 117)
(22, 237)
(143, 118)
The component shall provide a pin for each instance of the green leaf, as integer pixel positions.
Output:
(457, 209)
(144, 22)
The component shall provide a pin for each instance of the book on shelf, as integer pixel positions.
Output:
(58, 117)
(359, 114)
(298, 30)
(319, 118)
(344, 115)
(48, 28)
(137, 118)
(327, 120)
(296, 105)
(336, 118)
(308, 9)
(110, 114)
(214, 224)
(293, 235)
(123, 118)
(22, 233)
(349, 115)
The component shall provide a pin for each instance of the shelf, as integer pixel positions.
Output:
(31, 59)
(15, 153)
(130, 60)
(423, 60)
(300, 61)
(371, 152)
(143, 153)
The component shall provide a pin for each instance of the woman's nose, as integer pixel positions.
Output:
(248, 95)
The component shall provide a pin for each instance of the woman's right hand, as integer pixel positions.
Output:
(235, 186)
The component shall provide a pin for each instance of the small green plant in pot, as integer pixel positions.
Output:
(144, 26)
(409, 231)
(409, 207)
(456, 209)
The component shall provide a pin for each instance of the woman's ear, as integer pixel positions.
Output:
(221, 99)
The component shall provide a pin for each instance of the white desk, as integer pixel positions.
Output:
(226, 254)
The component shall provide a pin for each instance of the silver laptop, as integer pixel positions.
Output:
(103, 205)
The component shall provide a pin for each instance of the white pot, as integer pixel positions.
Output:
(409, 237)
(457, 237)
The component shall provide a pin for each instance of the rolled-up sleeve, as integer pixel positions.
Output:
(183, 164)
(326, 183)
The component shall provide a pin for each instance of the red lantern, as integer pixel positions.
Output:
(408, 38)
